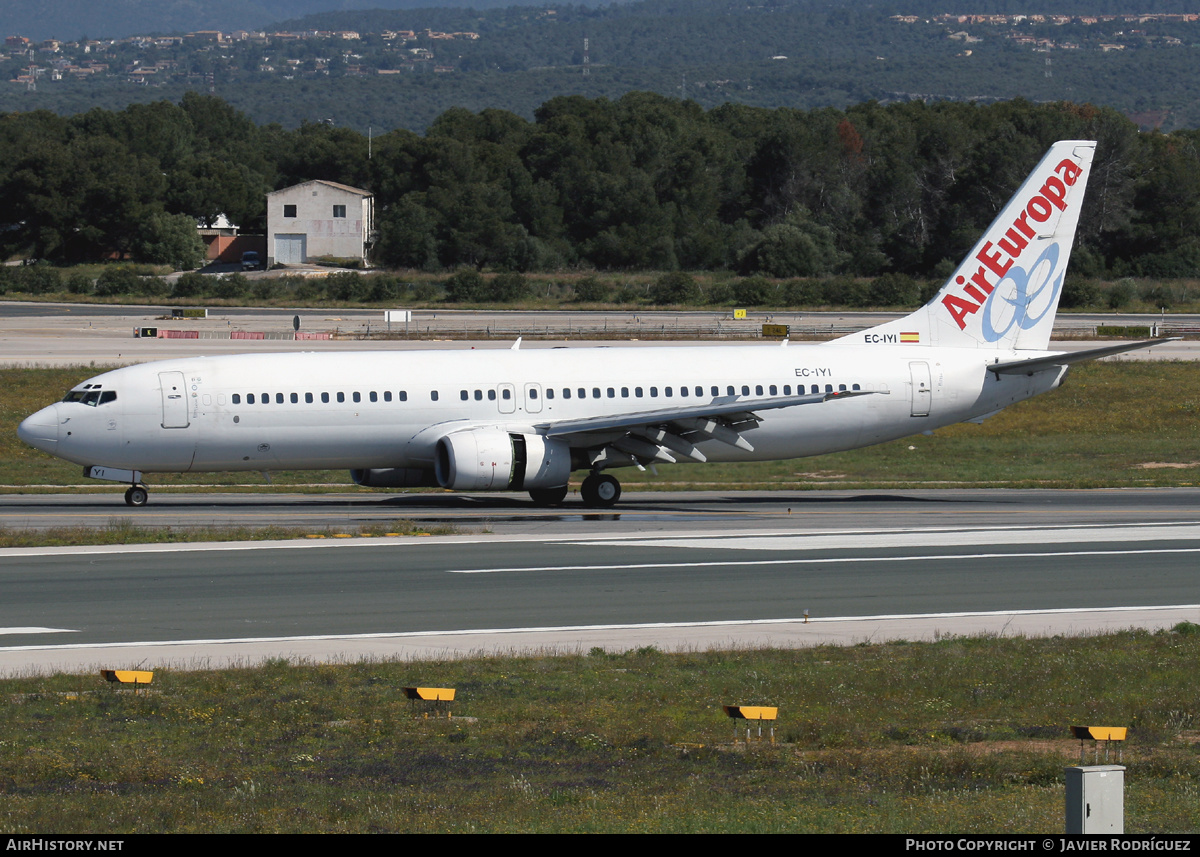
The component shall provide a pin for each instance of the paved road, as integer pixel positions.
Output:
(891, 572)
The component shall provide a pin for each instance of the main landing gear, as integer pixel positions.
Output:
(137, 495)
(600, 490)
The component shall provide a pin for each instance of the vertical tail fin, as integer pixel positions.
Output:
(1005, 293)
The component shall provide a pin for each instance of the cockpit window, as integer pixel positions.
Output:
(93, 397)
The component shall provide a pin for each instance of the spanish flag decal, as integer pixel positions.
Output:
(910, 336)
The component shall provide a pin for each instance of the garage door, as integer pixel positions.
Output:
(290, 249)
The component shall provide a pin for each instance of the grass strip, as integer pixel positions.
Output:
(958, 735)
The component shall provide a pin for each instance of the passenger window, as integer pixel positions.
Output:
(828, 388)
(612, 393)
(387, 395)
(279, 398)
(479, 395)
(841, 387)
(433, 395)
(506, 394)
(595, 392)
(265, 399)
(491, 395)
(295, 398)
(357, 396)
(582, 393)
(854, 387)
(774, 390)
(325, 398)
(745, 389)
(683, 391)
(758, 391)
(815, 388)
(249, 398)
(637, 391)
(566, 392)
(462, 394)
(308, 398)
(236, 398)
(549, 392)
(787, 389)
(624, 392)
(654, 392)
(699, 391)
(532, 393)
(730, 389)
(341, 397)
(667, 392)
(374, 397)
(404, 395)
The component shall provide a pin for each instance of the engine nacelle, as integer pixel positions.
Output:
(394, 477)
(491, 459)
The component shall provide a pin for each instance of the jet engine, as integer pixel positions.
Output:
(491, 459)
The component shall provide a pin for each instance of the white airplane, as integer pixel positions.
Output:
(519, 420)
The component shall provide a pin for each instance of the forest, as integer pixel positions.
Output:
(803, 54)
(642, 182)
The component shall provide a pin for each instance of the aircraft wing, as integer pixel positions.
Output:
(654, 435)
(1038, 364)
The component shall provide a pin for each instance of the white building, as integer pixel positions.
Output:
(316, 219)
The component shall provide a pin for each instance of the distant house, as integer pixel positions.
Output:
(319, 218)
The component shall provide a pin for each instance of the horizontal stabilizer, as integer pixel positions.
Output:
(1038, 364)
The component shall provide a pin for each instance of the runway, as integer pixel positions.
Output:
(871, 568)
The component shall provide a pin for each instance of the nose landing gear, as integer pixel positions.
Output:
(137, 495)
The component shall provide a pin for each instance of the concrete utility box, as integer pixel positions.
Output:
(1096, 799)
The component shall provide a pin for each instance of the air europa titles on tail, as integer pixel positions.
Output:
(527, 419)
(999, 260)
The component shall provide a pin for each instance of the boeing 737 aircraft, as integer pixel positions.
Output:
(519, 420)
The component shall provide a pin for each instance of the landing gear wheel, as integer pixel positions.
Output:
(136, 495)
(600, 490)
(548, 496)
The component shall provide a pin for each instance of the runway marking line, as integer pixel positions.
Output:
(35, 630)
(722, 623)
(819, 560)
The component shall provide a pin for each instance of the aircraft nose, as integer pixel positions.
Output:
(40, 430)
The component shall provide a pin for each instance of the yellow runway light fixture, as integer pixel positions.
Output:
(430, 698)
(136, 678)
(752, 712)
(1105, 734)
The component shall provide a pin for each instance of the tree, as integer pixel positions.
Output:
(171, 239)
